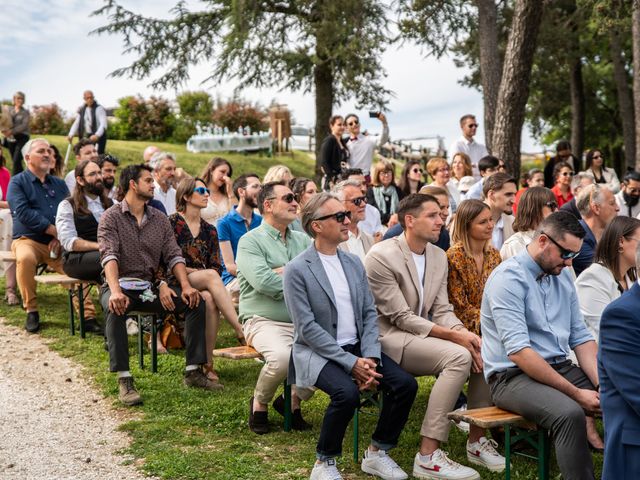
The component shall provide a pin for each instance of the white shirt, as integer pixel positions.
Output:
(168, 198)
(421, 266)
(624, 209)
(101, 122)
(347, 333)
(66, 227)
(371, 223)
(516, 243)
(70, 180)
(472, 148)
(475, 192)
(354, 243)
(497, 236)
(361, 149)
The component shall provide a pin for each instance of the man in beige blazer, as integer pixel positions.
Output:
(350, 193)
(499, 192)
(418, 329)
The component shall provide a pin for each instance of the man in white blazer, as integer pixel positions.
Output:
(418, 330)
(335, 346)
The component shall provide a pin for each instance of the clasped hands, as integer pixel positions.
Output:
(365, 375)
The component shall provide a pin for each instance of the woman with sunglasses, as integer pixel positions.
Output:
(199, 243)
(334, 153)
(596, 169)
(439, 171)
(410, 178)
(460, 167)
(383, 193)
(562, 174)
(6, 234)
(303, 189)
(471, 259)
(217, 176)
(536, 204)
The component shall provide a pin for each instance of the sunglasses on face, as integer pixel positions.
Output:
(201, 190)
(597, 157)
(418, 170)
(359, 201)
(564, 253)
(288, 198)
(339, 216)
(353, 123)
(473, 125)
(567, 174)
(553, 206)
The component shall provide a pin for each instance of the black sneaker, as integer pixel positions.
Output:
(297, 422)
(91, 325)
(258, 421)
(32, 325)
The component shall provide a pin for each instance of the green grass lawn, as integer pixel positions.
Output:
(190, 434)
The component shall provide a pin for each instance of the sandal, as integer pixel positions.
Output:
(241, 340)
(211, 374)
(12, 298)
(160, 349)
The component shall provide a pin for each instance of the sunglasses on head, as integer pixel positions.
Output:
(288, 198)
(339, 216)
(359, 201)
(201, 190)
(564, 253)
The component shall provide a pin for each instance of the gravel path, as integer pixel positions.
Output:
(53, 423)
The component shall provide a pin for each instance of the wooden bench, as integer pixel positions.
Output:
(7, 256)
(516, 428)
(75, 289)
(246, 353)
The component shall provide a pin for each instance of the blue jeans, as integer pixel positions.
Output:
(398, 392)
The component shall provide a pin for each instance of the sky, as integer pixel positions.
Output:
(53, 59)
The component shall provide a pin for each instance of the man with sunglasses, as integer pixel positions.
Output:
(531, 320)
(361, 147)
(34, 196)
(350, 193)
(262, 255)
(371, 223)
(336, 346)
(598, 207)
(467, 145)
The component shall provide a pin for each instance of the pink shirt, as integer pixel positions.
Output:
(4, 182)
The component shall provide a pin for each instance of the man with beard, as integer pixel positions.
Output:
(77, 223)
(164, 170)
(108, 166)
(134, 241)
(531, 320)
(85, 149)
(627, 198)
(241, 219)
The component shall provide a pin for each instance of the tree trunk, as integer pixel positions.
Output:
(514, 87)
(490, 63)
(323, 82)
(625, 99)
(577, 110)
(636, 74)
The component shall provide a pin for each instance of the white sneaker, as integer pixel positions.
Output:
(441, 467)
(483, 452)
(462, 426)
(132, 326)
(382, 465)
(326, 470)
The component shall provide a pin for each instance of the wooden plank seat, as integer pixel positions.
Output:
(7, 256)
(247, 353)
(75, 289)
(516, 429)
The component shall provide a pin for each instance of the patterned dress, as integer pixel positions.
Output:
(202, 252)
(465, 286)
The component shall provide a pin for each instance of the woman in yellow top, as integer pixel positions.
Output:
(471, 260)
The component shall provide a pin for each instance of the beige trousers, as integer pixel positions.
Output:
(29, 254)
(452, 363)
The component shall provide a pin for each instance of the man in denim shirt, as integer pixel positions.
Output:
(530, 321)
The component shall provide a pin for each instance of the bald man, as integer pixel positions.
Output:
(90, 122)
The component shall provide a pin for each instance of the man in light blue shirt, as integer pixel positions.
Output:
(530, 320)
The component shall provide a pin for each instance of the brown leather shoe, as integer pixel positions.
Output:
(197, 378)
(128, 393)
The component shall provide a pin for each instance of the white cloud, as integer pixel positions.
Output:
(52, 58)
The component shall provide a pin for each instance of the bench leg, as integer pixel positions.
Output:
(140, 344)
(154, 345)
(356, 434)
(81, 310)
(72, 323)
(287, 406)
(543, 454)
(507, 452)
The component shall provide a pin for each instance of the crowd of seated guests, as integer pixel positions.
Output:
(318, 287)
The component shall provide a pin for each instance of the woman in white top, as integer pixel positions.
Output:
(439, 170)
(217, 174)
(612, 272)
(460, 167)
(600, 173)
(536, 204)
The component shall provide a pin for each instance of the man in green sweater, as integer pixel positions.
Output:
(262, 254)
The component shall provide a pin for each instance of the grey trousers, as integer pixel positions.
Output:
(515, 391)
